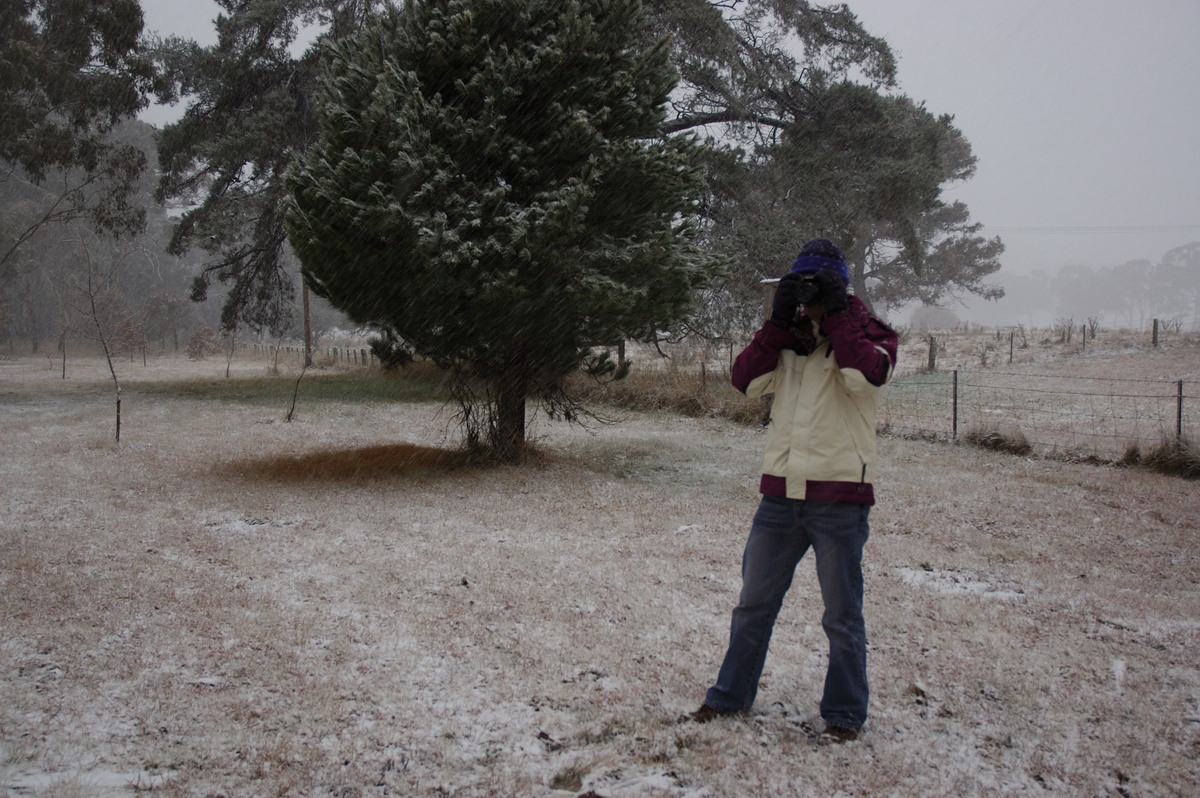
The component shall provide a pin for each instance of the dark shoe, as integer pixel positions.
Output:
(839, 734)
(703, 715)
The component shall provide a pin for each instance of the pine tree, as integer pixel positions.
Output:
(224, 160)
(490, 189)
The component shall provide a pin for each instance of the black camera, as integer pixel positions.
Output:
(807, 290)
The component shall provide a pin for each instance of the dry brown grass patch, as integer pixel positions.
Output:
(686, 392)
(365, 463)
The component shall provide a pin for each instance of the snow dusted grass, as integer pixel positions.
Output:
(228, 604)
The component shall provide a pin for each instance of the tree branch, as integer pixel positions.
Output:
(683, 123)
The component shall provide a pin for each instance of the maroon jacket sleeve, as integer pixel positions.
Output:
(857, 337)
(761, 355)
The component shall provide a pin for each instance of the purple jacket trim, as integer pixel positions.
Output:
(854, 336)
(761, 355)
(851, 492)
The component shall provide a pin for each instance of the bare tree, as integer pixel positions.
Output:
(96, 299)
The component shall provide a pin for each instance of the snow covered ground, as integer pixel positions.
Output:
(228, 604)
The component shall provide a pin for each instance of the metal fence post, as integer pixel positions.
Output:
(954, 434)
(1179, 411)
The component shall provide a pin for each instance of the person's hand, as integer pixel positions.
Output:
(831, 293)
(793, 291)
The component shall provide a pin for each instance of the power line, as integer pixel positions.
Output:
(1093, 230)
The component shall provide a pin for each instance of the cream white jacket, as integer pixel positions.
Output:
(825, 382)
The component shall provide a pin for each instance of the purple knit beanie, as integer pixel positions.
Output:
(821, 254)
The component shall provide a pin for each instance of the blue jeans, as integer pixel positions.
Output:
(782, 533)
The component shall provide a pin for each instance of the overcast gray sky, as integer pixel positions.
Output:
(1084, 114)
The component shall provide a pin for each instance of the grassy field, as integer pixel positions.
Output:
(231, 604)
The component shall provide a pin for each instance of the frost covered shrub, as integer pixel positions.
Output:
(685, 392)
(1010, 440)
(202, 344)
(1179, 458)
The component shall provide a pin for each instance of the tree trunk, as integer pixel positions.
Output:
(857, 261)
(308, 341)
(232, 345)
(508, 428)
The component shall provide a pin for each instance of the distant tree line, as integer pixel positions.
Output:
(1130, 294)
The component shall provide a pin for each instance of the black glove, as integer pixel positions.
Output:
(788, 298)
(831, 293)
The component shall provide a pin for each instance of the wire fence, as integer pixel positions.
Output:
(1084, 417)
(1078, 416)
(334, 355)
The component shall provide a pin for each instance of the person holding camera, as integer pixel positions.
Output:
(824, 357)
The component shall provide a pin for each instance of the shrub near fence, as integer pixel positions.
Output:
(1076, 416)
